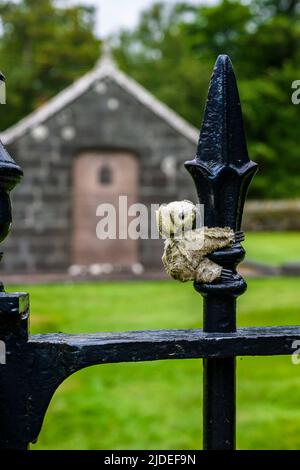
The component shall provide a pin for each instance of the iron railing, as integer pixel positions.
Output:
(36, 365)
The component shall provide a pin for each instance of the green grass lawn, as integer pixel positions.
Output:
(273, 248)
(158, 405)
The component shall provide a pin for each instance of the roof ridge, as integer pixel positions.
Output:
(106, 69)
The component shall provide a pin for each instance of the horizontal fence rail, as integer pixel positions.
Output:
(133, 346)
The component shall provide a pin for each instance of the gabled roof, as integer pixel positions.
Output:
(105, 68)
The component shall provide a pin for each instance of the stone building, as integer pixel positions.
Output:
(102, 137)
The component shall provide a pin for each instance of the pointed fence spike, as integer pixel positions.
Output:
(222, 170)
(222, 138)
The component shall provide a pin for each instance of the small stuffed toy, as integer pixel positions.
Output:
(186, 248)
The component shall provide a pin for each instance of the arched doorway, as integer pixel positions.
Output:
(100, 178)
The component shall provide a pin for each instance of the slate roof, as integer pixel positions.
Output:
(105, 68)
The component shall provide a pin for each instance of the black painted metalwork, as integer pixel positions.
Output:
(222, 173)
(36, 365)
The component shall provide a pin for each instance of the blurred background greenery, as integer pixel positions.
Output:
(171, 52)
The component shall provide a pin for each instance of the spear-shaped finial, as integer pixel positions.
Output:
(222, 170)
(222, 138)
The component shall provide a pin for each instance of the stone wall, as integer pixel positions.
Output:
(272, 215)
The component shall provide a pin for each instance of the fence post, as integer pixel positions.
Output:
(222, 173)
(14, 393)
(13, 330)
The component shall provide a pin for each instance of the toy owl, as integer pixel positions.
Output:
(186, 248)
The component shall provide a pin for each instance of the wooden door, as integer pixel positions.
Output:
(101, 178)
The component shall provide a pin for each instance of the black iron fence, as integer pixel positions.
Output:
(36, 365)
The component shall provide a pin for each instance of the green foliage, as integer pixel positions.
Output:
(173, 49)
(43, 48)
(158, 55)
(158, 405)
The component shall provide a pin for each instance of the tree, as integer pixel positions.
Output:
(173, 49)
(269, 8)
(159, 56)
(43, 48)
